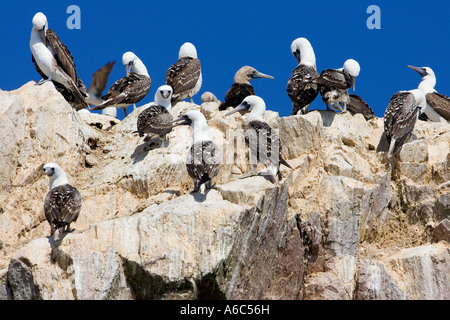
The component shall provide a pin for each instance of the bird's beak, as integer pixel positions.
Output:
(44, 38)
(258, 75)
(239, 108)
(298, 56)
(165, 94)
(419, 70)
(128, 68)
(49, 172)
(182, 121)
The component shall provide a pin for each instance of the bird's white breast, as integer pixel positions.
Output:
(41, 53)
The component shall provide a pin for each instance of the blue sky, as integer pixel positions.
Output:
(231, 34)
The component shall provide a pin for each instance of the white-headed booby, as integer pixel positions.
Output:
(130, 89)
(335, 83)
(156, 119)
(401, 116)
(204, 157)
(54, 62)
(438, 105)
(300, 88)
(185, 75)
(241, 87)
(262, 140)
(62, 204)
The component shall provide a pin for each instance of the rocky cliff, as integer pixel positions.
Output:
(339, 226)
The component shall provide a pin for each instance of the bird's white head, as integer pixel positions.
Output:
(128, 59)
(56, 174)
(197, 121)
(303, 51)
(191, 118)
(163, 97)
(352, 69)
(40, 21)
(428, 78)
(131, 61)
(255, 105)
(187, 50)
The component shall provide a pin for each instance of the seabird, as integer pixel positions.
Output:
(204, 157)
(156, 119)
(62, 204)
(130, 89)
(241, 87)
(438, 105)
(185, 75)
(357, 105)
(300, 88)
(262, 140)
(401, 116)
(335, 83)
(54, 62)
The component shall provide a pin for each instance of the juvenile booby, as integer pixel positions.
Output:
(335, 83)
(300, 88)
(204, 157)
(401, 116)
(130, 89)
(62, 204)
(185, 75)
(262, 140)
(438, 105)
(54, 62)
(357, 105)
(156, 119)
(241, 87)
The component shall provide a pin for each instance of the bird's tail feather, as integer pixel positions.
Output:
(78, 95)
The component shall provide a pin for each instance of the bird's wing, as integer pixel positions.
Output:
(63, 55)
(237, 93)
(440, 103)
(184, 74)
(130, 89)
(357, 105)
(301, 87)
(333, 78)
(155, 119)
(401, 115)
(62, 205)
(100, 79)
(203, 161)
